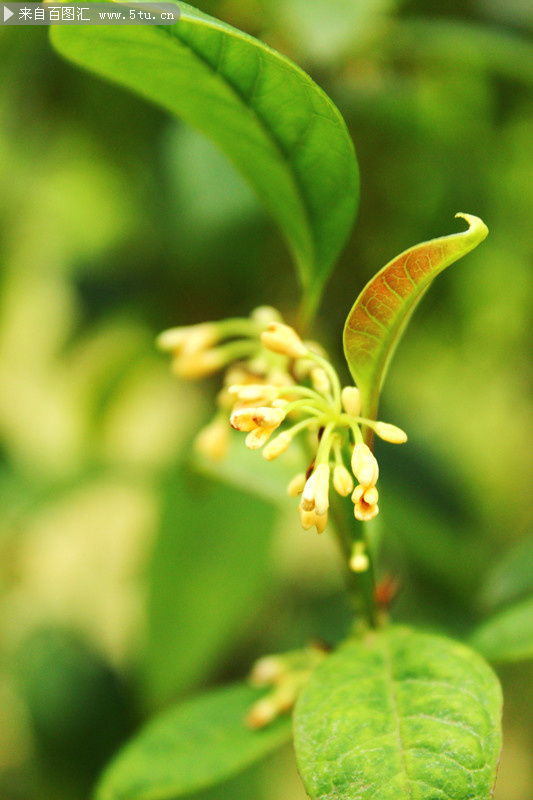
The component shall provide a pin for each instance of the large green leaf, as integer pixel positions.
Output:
(208, 575)
(400, 715)
(274, 123)
(508, 636)
(191, 747)
(380, 314)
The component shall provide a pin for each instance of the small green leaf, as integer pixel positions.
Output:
(508, 636)
(273, 122)
(511, 578)
(207, 577)
(399, 715)
(191, 747)
(380, 314)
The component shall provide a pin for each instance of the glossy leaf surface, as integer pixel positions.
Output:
(400, 715)
(508, 636)
(191, 747)
(207, 577)
(381, 312)
(273, 122)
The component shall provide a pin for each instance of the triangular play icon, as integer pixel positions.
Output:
(7, 13)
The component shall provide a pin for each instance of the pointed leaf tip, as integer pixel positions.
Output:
(382, 311)
(476, 226)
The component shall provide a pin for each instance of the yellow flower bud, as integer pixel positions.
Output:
(198, 365)
(390, 433)
(364, 465)
(189, 339)
(283, 339)
(351, 400)
(307, 503)
(342, 480)
(254, 393)
(322, 489)
(320, 380)
(246, 419)
(258, 437)
(277, 446)
(265, 315)
(359, 562)
(213, 440)
(296, 485)
(267, 670)
(261, 713)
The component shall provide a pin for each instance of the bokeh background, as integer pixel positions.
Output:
(116, 222)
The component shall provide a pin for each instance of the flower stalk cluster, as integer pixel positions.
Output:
(278, 388)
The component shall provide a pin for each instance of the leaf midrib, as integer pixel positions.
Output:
(393, 697)
(285, 155)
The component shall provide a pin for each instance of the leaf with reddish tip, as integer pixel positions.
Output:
(381, 312)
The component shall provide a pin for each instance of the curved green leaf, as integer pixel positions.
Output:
(399, 715)
(380, 314)
(273, 122)
(191, 747)
(508, 636)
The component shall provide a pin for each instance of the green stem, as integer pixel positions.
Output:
(308, 308)
(361, 585)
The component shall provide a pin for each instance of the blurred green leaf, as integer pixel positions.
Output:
(511, 577)
(399, 714)
(192, 747)
(382, 311)
(508, 636)
(273, 122)
(208, 575)
(474, 47)
(77, 705)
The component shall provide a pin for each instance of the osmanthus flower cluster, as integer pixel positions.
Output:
(278, 387)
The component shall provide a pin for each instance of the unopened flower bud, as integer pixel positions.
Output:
(254, 392)
(190, 338)
(261, 713)
(258, 437)
(390, 433)
(213, 440)
(265, 315)
(322, 489)
(198, 365)
(296, 485)
(351, 400)
(320, 380)
(267, 671)
(364, 465)
(283, 339)
(277, 446)
(246, 419)
(359, 562)
(342, 480)
(307, 503)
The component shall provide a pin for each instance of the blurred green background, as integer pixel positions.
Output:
(116, 222)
